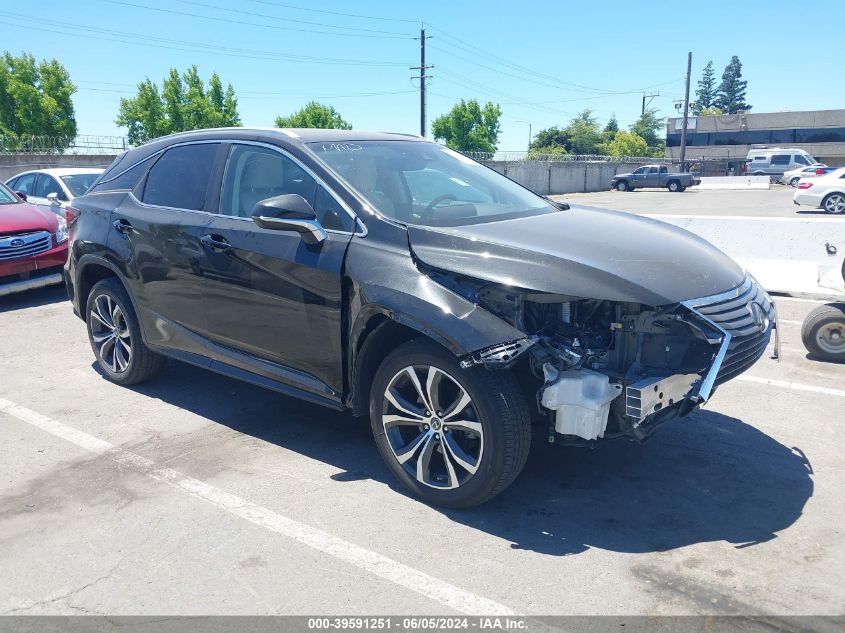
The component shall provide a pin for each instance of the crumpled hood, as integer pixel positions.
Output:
(24, 217)
(583, 252)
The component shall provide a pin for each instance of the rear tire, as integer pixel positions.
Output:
(115, 335)
(834, 203)
(674, 186)
(794, 182)
(472, 450)
(823, 332)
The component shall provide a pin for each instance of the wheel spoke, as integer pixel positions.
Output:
(108, 354)
(432, 388)
(412, 374)
(101, 337)
(96, 315)
(400, 403)
(459, 405)
(390, 421)
(424, 460)
(450, 471)
(457, 453)
(466, 425)
(120, 356)
(408, 451)
(103, 312)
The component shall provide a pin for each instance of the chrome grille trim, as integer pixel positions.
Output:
(31, 244)
(743, 341)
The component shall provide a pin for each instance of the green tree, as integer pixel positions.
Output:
(647, 128)
(581, 136)
(711, 111)
(183, 103)
(35, 99)
(548, 138)
(314, 115)
(610, 129)
(705, 95)
(546, 153)
(627, 144)
(731, 96)
(468, 127)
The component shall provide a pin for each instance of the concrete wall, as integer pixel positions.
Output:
(546, 178)
(11, 164)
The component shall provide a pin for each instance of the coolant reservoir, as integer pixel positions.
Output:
(581, 401)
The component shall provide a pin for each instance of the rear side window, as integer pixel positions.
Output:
(126, 180)
(26, 184)
(47, 185)
(179, 179)
(780, 159)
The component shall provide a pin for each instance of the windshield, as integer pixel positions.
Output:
(79, 183)
(7, 196)
(428, 184)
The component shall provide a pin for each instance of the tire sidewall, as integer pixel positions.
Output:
(823, 315)
(825, 201)
(114, 289)
(493, 456)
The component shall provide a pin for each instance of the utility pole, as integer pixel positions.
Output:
(422, 77)
(649, 97)
(686, 115)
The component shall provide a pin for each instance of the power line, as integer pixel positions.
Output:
(257, 24)
(346, 15)
(73, 30)
(273, 17)
(247, 95)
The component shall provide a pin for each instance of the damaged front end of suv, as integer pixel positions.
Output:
(609, 369)
(652, 345)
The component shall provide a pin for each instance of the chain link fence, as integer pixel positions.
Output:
(38, 145)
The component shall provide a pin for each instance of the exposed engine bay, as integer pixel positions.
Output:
(601, 369)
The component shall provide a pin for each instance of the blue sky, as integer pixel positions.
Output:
(542, 61)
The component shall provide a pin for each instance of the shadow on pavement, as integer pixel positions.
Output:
(33, 298)
(708, 477)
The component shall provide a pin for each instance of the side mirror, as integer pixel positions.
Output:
(21, 195)
(53, 198)
(290, 212)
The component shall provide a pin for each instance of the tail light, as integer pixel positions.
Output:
(805, 185)
(820, 172)
(71, 215)
(745, 168)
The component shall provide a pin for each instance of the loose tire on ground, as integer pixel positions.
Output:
(497, 448)
(823, 332)
(115, 335)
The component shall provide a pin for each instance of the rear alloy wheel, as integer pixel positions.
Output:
(674, 186)
(794, 182)
(823, 332)
(115, 335)
(621, 186)
(834, 203)
(454, 437)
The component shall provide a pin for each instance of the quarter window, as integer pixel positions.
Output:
(255, 173)
(180, 177)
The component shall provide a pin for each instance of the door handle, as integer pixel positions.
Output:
(122, 226)
(215, 243)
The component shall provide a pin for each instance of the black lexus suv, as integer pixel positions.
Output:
(397, 278)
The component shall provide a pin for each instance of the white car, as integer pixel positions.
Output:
(49, 188)
(826, 192)
(794, 175)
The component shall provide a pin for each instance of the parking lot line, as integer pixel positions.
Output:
(795, 386)
(398, 573)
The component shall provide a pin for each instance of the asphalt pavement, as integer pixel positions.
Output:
(197, 494)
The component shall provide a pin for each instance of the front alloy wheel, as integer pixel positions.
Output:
(452, 436)
(110, 334)
(432, 427)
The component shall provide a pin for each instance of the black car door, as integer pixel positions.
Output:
(157, 229)
(270, 296)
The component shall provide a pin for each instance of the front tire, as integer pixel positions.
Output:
(823, 332)
(622, 186)
(834, 203)
(454, 437)
(115, 335)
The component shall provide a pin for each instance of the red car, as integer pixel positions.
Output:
(33, 244)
